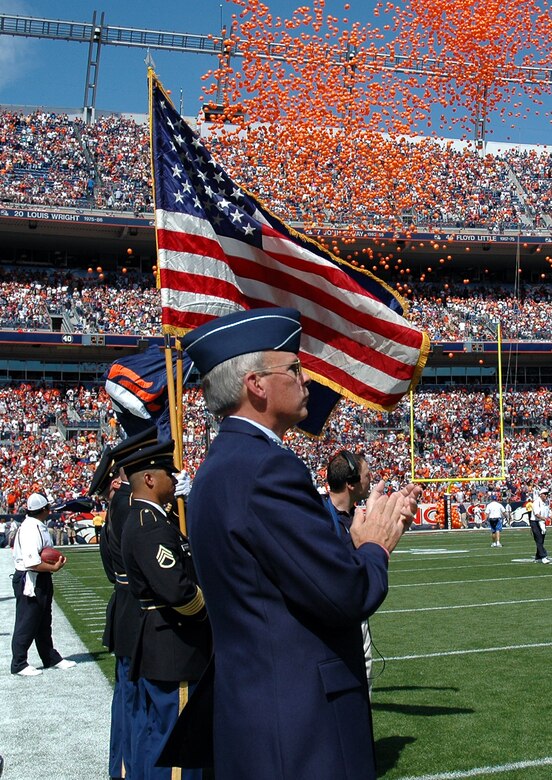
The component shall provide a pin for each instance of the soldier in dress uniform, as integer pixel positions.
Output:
(174, 643)
(123, 610)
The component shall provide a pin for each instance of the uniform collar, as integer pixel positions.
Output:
(266, 431)
(152, 503)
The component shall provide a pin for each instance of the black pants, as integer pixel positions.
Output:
(538, 536)
(33, 622)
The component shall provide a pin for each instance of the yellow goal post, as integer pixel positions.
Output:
(473, 478)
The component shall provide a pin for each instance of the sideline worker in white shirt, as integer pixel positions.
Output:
(494, 514)
(33, 588)
(539, 515)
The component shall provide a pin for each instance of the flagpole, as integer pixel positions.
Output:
(172, 401)
(179, 401)
(180, 428)
(412, 457)
(176, 431)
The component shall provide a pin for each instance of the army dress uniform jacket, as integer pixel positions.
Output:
(174, 642)
(286, 599)
(123, 613)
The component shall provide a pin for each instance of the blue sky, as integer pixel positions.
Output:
(53, 73)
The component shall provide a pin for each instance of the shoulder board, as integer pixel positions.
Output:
(147, 516)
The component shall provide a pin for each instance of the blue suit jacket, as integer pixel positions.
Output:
(286, 599)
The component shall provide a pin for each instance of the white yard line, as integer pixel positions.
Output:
(480, 771)
(463, 606)
(470, 651)
(474, 582)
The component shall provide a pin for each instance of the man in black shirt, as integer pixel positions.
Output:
(348, 478)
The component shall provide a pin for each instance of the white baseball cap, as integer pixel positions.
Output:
(36, 501)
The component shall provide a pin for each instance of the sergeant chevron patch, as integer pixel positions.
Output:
(165, 557)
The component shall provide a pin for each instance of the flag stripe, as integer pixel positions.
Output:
(334, 305)
(187, 233)
(251, 263)
(199, 282)
(185, 320)
(280, 250)
(392, 364)
(251, 274)
(329, 362)
(395, 358)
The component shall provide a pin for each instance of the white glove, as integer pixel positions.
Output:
(183, 484)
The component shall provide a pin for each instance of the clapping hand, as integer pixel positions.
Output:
(386, 517)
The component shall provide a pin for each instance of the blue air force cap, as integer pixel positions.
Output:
(255, 330)
(160, 456)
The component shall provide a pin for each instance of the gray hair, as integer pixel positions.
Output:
(223, 384)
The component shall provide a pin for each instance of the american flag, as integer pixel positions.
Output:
(220, 250)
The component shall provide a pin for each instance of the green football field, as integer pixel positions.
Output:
(465, 634)
(82, 591)
(463, 649)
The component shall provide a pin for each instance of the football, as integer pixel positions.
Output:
(50, 555)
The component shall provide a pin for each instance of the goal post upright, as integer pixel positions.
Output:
(450, 480)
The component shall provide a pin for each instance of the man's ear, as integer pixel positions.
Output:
(254, 384)
(148, 478)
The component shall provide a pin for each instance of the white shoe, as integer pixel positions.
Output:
(64, 664)
(545, 560)
(29, 671)
(493, 544)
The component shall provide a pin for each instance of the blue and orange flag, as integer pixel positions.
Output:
(137, 386)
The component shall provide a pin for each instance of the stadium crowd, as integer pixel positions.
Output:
(56, 160)
(129, 304)
(51, 439)
(119, 148)
(470, 191)
(451, 311)
(43, 160)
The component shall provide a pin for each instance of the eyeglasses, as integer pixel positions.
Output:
(295, 367)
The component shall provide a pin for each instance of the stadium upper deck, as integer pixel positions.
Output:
(54, 159)
(74, 196)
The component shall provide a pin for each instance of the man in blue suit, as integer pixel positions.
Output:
(285, 596)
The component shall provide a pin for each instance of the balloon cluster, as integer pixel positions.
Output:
(322, 105)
